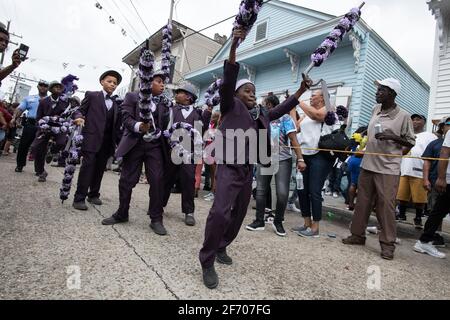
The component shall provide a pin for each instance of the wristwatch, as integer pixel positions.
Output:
(300, 160)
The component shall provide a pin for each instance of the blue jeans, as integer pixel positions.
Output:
(318, 167)
(282, 180)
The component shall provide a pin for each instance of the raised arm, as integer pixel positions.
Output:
(291, 102)
(230, 75)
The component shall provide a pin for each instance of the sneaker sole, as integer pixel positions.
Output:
(303, 236)
(418, 250)
(255, 229)
(223, 262)
(278, 233)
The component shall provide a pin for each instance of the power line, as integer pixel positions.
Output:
(137, 12)
(217, 23)
(112, 20)
(126, 19)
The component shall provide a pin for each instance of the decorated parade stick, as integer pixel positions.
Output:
(247, 16)
(166, 51)
(72, 153)
(331, 42)
(212, 96)
(178, 147)
(146, 73)
(324, 51)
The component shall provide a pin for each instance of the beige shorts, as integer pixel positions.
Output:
(411, 188)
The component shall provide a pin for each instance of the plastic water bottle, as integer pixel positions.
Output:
(378, 128)
(300, 185)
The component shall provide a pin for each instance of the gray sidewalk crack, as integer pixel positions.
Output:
(150, 267)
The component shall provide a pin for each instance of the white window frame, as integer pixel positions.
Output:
(267, 31)
(209, 59)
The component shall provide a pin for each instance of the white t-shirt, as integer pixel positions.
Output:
(414, 167)
(310, 134)
(447, 144)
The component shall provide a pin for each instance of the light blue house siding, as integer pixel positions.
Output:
(300, 31)
(381, 63)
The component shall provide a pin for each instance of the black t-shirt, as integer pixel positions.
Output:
(433, 150)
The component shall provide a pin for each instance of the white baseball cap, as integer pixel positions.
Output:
(243, 82)
(392, 83)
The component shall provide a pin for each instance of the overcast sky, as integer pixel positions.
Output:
(77, 33)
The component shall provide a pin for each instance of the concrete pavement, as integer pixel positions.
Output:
(45, 243)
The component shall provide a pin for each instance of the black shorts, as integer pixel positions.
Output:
(11, 134)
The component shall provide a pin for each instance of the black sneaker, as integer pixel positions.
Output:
(43, 177)
(279, 229)
(223, 258)
(210, 278)
(256, 226)
(49, 158)
(418, 223)
(158, 228)
(19, 169)
(189, 220)
(438, 241)
(400, 218)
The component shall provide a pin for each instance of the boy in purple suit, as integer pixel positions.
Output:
(136, 152)
(50, 106)
(234, 180)
(184, 112)
(99, 114)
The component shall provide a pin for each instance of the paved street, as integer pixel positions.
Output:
(41, 238)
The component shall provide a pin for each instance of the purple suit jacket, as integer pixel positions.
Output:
(235, 114)
(45, 108)
(130, 116)
(93, 109)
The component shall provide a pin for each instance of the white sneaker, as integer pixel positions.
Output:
(208, 195)
(293, 208)
(335, 195)
(429, 249)
(328, 193)
(372, 230)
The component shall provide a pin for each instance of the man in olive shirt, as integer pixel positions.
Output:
(390, 132)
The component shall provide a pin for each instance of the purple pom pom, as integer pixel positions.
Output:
(342, 112)
(330, 118)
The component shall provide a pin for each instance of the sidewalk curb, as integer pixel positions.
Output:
(404, 230)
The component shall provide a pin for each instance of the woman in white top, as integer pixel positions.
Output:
(318, 164)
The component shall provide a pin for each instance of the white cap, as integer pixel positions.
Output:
(392, 83)
(243, 82)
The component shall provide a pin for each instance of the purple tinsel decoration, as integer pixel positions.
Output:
(248, 14)
(174, 144)
(146, 72)
(330, 118)
(73, 157)
(332, 41)
(69, 86)
(166, 52)
(212, 96)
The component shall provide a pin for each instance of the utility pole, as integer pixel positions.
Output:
(172, 5)
(15, 88)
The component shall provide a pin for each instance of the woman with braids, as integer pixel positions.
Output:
(234, 179)
(136, 152)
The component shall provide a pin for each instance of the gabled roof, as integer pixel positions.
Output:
(287, 6)
(155, 41)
